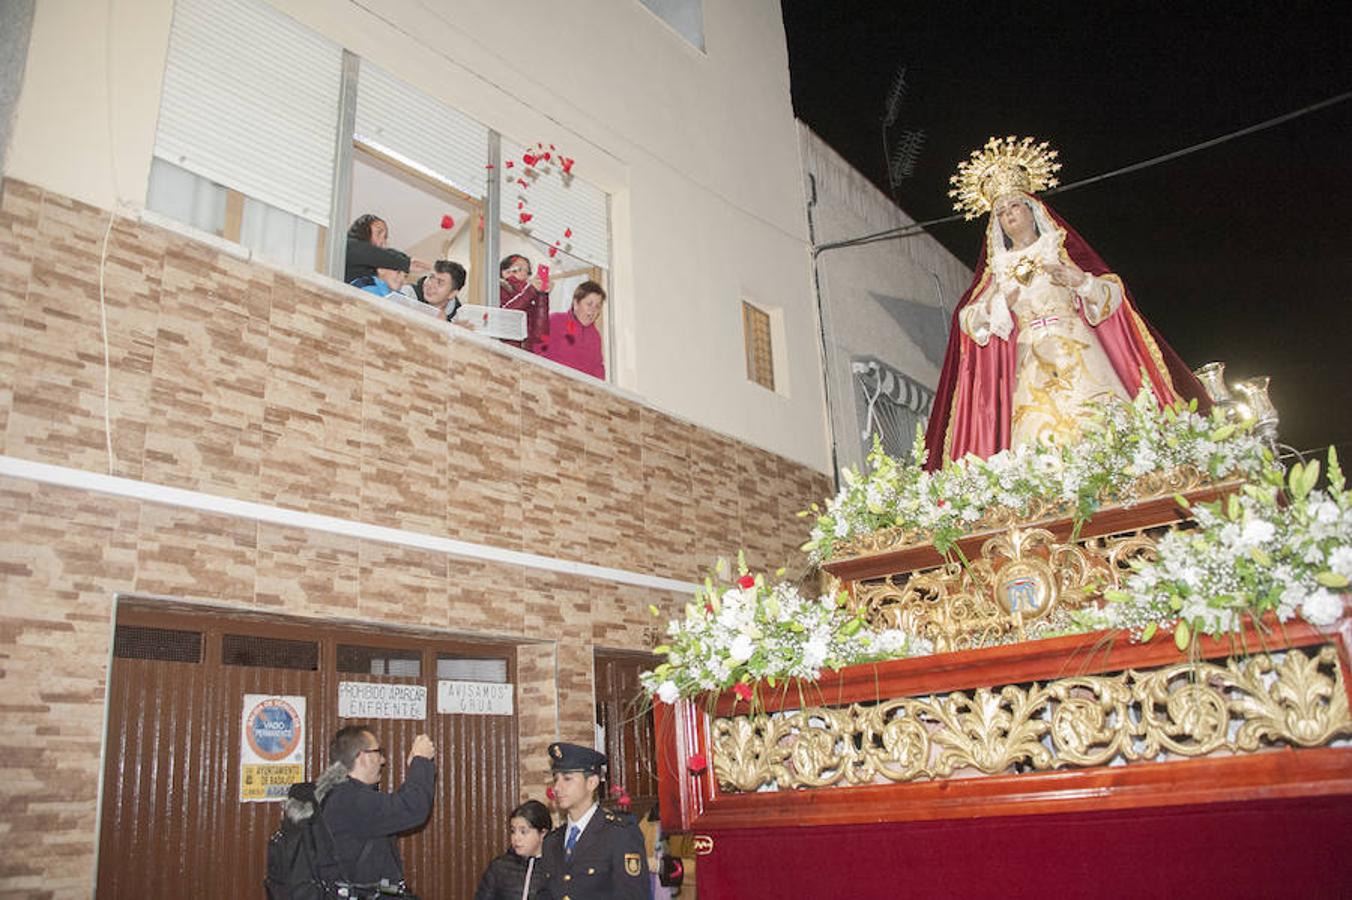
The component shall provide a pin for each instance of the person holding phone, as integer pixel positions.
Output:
(573, 339)
(518, 289)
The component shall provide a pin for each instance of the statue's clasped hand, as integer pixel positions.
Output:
(1067, 276)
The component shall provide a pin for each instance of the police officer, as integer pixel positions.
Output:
(594, 854)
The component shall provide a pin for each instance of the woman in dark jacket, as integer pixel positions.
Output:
(366, 250)
(515, 874)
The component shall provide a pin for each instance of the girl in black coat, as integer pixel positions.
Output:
(515, 875)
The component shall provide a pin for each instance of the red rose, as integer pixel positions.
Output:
(746, 581)
(709, 608)
(696, 763)
(742, 690)
(447, 222)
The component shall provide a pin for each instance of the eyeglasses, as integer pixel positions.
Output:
(374, 750)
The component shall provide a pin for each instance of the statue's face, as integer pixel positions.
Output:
(1014, 217)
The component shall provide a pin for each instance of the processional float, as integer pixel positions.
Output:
(1134, 669)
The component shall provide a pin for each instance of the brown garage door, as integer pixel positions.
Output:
(173, 825)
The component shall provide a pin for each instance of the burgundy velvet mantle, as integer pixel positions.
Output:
(1261, 849)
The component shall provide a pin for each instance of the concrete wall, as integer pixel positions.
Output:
(264, 395)
(890, 300)
(698, 150)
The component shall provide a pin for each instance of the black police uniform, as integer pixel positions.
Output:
(608, 861)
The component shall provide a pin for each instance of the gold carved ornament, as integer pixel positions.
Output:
(1019, 578)
(1296, 698)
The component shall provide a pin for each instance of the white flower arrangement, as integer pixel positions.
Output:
(1121, 443)
(739, 632)
(1250, 556)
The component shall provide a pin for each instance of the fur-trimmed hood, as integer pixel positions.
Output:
(304, 797)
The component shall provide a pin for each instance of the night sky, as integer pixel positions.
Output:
(1240, 253)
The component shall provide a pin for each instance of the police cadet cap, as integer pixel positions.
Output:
(575, 758)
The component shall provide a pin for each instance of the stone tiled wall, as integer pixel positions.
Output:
(234, 379)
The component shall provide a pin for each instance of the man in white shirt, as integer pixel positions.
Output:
(595, 854)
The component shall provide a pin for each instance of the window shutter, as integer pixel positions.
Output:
(556, 207)
(408, 125)
(250, 101)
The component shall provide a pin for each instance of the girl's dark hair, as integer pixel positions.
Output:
(535, 813)
(507, 263)
(361, 228)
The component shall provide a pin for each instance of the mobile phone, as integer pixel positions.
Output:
(543, 271)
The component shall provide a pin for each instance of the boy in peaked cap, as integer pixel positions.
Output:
(594, 854)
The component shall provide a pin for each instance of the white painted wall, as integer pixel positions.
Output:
(699, 151)
(915, 276)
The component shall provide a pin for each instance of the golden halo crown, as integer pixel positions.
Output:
(1001, 166)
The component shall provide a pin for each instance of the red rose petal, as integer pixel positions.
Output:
(553, 250)
(447, 222)
(567, 165)
(525, 217)
(567, 232)
(521, 204)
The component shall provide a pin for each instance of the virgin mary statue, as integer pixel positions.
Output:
(1046, 334)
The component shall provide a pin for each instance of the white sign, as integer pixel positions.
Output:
(474, 698)
(369, 700)
(271, 746)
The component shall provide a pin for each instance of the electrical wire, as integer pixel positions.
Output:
(918, 227)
